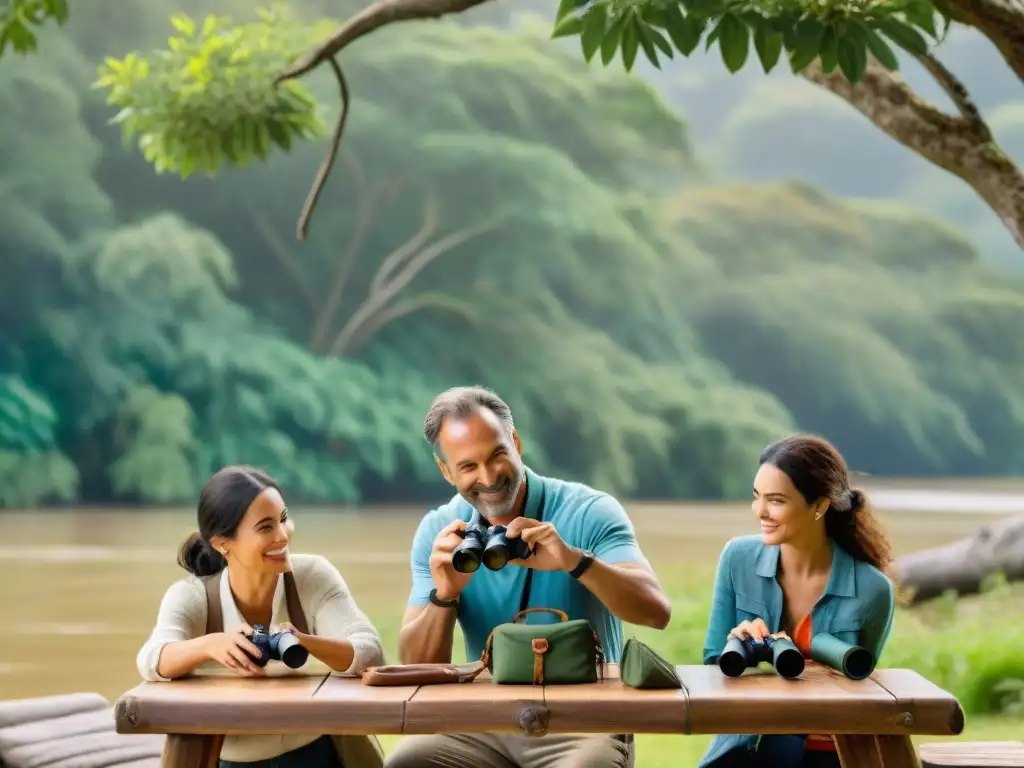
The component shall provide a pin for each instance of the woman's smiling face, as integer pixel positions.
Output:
(260, 542)
(779, 507)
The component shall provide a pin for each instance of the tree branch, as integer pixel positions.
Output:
(401, 309)
(378, 14)
(285, 257)
(377, 301)
(374, 16)
(961, 144)
(332, 153)
(1001, 21)
(957, 92)
(412, 245)
(368, 201)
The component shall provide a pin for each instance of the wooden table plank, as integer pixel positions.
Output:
(346, 706)
(219, 705)
(924, 708)
(819, 701)
(477, 707)
(609, 706)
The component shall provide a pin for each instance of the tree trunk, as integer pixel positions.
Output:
(961, 144)
(963, 565)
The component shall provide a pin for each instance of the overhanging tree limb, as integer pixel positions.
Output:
(961, 144)
(1001, 21)
(332, 153)
(374, 16)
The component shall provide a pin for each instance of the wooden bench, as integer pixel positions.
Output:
(873, 719)
(70, 731)
(973, 754)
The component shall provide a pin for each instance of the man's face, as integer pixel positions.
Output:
(483, 463)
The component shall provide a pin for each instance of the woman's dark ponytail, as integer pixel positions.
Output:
(223, 503)
(855, 526)
(199, 558)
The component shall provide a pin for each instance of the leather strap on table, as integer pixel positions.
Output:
(421, 674)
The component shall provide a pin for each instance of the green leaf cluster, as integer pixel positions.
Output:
(836, 33)
(20, 18)
(210, 96)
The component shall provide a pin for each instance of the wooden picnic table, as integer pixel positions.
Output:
(872, 719)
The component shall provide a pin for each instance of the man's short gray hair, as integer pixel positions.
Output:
(462, 402)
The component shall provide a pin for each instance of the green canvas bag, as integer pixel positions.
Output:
(642, 667)
(563, 653)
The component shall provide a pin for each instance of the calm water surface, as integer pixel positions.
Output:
(80, 589)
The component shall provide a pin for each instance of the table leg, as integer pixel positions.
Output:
(191, 751)
(858, 752)
(898, 752)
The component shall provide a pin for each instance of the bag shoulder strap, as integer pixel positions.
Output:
(214, 615)
(524, 601)
(214, 611)
(291, 596)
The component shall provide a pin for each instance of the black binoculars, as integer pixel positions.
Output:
(280, 646)
(739, 654)
(852, 660)
(487, 544)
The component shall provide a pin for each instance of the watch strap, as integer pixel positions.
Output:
(586, 559)
(442, 603)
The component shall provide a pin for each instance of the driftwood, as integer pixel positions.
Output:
(964, 565)
(70, 731)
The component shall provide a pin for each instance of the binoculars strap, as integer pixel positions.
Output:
(214, 615)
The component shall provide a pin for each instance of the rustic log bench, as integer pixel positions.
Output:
(74, 730)
(973, 754)
(873, 719)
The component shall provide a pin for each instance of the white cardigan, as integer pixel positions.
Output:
(330, 610)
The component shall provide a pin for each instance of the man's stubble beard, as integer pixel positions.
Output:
(492, 512)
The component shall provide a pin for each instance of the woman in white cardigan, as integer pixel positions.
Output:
(241, 567)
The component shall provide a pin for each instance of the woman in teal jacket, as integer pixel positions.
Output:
(818, 561)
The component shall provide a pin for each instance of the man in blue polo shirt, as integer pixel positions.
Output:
(585, 561)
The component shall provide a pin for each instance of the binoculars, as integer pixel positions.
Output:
(852, 660)
(739, 654)
(487, 544)
(280, 646)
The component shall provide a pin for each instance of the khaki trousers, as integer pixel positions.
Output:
(502, 750)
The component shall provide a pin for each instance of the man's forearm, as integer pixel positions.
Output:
(632, 594)
(428, 638)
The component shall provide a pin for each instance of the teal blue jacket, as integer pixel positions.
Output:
(857, 607)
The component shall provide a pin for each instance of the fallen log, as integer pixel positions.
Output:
(964, 565)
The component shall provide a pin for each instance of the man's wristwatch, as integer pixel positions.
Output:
(586, 558)
(442, 603)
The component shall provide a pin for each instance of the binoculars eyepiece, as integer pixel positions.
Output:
(280, 646)
(488, 545)
(739, 654)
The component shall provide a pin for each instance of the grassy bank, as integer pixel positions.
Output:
(969, 646)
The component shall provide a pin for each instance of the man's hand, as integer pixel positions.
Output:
(549, 551)
(447, 580)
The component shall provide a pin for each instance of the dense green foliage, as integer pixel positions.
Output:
(502, 214)
(20, 20)
(834, 32)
